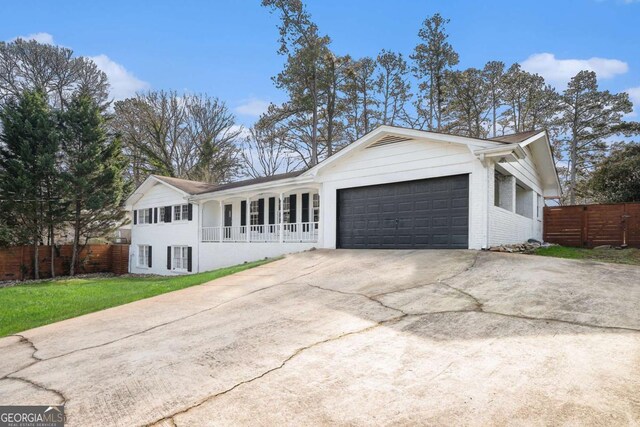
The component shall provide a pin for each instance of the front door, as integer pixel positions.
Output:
(228, 215)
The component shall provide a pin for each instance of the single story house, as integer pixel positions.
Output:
(394, 188)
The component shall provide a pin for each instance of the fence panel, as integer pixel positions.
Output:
(593, 225)
(16, 263)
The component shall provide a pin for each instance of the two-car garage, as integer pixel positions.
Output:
(424, 214)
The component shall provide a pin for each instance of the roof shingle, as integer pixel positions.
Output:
(199, 187)
(514, 138)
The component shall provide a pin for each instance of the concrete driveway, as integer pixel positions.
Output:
(355, 338)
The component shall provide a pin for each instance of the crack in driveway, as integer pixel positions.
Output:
(38, 359)
(296, 353)
(372, 299)
(38, 386)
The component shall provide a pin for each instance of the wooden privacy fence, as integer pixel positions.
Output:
(593, 225)
(16, 263)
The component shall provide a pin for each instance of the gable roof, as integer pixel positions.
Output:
(514, 138)
(193, 188)
(398, 133)
(197, 188)
(253, 181)
(188, 186)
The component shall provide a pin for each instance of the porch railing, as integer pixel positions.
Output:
(296, 232)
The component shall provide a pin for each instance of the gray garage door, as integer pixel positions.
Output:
(426, 214)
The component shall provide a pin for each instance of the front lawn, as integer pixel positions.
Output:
(28, 306)
(620, 256)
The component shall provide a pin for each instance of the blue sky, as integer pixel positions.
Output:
(228, 49)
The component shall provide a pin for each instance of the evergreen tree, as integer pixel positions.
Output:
(617, 178)
(469, 103)
(93, 171)
(493, 73)
(360, 97)
(306, 52)
(531, 104)
(29, 148)
(588, 118)
(393, 86)
(433, 57)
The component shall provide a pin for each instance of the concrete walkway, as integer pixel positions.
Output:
(352, 338)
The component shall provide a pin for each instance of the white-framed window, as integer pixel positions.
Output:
(286, 209)
(254, 212)
(181, 212)
(540, 206)
(180, 259)
(144, 216)
(143, 255)
(161, 214)
(316, 207)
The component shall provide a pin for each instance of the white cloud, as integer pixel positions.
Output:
(634, 95)
(123, 83)
(252, 107)
(243, 131)
(44, 38)
(559, 71)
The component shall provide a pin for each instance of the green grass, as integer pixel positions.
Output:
(619, 256)
(28, 306)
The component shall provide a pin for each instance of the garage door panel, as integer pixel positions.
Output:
(430, 213)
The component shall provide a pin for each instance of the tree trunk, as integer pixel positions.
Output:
(494, 115)
(573, 171)
(314, 123)
(76, 240)
(52, 242)
(36, 259)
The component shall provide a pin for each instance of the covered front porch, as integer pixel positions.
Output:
(288, 216)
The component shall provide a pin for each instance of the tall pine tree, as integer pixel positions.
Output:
(588, 117)
(93, 171)
(29, 149)
(433, 57)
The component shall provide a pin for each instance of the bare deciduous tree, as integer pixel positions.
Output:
(265, 153)
(189, 136)
(27, 65)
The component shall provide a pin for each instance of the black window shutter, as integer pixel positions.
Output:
(150, 216)
(155, 215)
(305, 207)
(168, 257)
(243, 212)
(190, 217)
(149, 262)
(168, 211)
(272, 210)
(189, 263)
(261, 212)
(135, 217)
(292, 208)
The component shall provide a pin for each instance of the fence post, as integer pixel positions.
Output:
(584, 218)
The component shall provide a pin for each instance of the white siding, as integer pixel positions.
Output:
(506, 226)
(160, 235)
(217, 255)
(404, 161)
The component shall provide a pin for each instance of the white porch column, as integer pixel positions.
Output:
(248, 216)
(281, 216)
(221, 221)
(320, 201)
